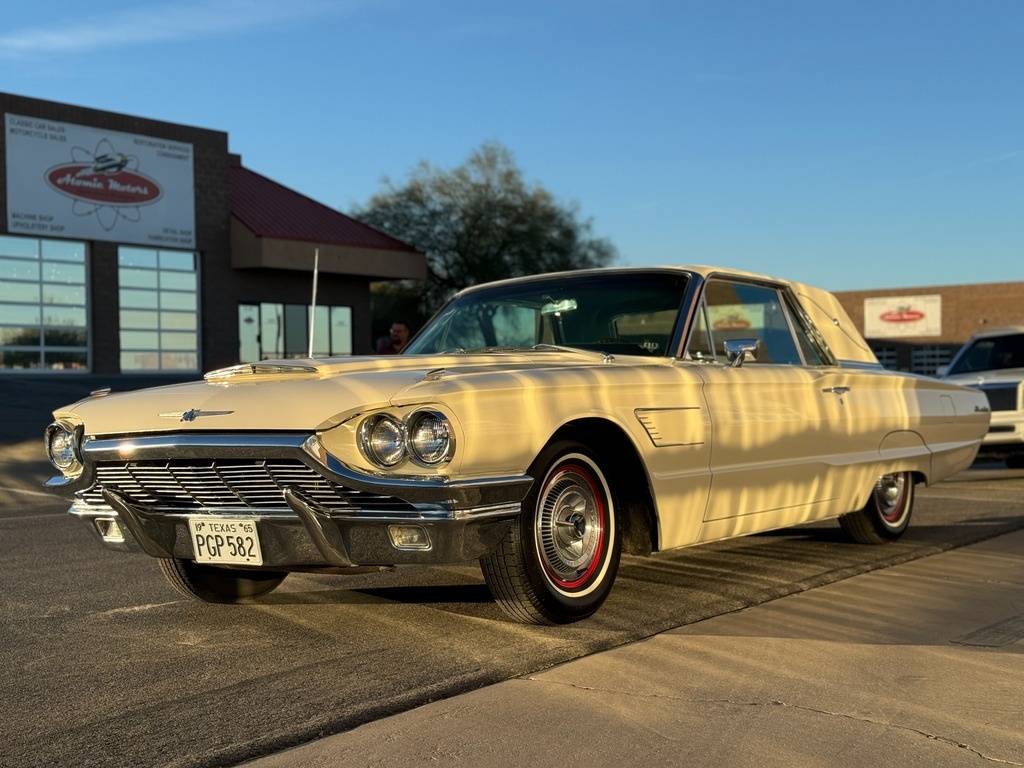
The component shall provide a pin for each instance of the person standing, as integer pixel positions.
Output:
(396, 340)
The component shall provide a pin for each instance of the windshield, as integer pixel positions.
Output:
(991, 354)
(626, 314)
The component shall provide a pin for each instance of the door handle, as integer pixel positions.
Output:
(836, 390)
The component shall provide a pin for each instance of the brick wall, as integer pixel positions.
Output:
(966, 309)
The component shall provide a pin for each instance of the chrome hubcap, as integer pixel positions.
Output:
(569, 525)
(889, 493)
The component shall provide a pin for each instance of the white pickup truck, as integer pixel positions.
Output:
(993, 361)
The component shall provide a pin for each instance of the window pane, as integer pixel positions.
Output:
(63, 294)
(22, 247)
(133, 318)
(65, 337)
(62, 250)
(743, 311)
(175, 340)
(271, 330)
(64, 316)
(19, 270)
(177, 260)
(20, 360)
(322, 331)
(248, 333)
(294, 330)
(341, 330)
(179, 361)
(138, 299)
(137, 278)
(63, 273)
(27, 292)
(20, 337)
(13, 314)
(66, 361)
(171, 300)
(181, 281)
(136, 257)
(140, 361)
(178, 321)
(140, 340)
(700, 347)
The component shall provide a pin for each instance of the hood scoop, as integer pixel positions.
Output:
(260, 369)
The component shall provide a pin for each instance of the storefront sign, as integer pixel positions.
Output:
(902, 316)
(66, 180)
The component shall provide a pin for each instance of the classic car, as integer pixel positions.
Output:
(993, 362)
(542, 425)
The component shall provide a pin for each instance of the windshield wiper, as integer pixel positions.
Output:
(534, 348)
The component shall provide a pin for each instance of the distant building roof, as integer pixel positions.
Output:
(273, 210)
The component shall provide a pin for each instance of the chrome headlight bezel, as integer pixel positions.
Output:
(73, 436)
(366, 430)
(404, 429)
(411, 423)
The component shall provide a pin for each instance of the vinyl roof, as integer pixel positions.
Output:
(272, 210)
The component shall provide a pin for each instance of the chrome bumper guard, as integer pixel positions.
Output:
(462, 519)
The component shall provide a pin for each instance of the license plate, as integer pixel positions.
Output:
(225, 540)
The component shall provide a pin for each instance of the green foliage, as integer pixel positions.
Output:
(480, 222)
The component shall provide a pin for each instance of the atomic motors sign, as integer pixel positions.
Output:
(902, 316)
(66, 180)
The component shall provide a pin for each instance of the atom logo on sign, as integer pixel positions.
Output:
(104, 183)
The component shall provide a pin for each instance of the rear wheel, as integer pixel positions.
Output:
(218, 585)
(886, 515)
(558, 562)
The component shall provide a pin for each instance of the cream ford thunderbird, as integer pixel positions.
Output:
(542, 425)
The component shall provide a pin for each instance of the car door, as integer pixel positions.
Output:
(771, 422)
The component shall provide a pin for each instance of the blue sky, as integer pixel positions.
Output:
(849, 144)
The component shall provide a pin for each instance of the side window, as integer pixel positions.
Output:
(812, 354)
(744, 311)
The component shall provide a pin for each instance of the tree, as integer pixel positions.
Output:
(481, 221)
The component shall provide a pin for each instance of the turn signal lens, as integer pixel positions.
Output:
(382, 440)
(430, 437)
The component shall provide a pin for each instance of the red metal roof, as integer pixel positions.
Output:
(273, 210)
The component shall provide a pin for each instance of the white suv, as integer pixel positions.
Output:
(993, 361)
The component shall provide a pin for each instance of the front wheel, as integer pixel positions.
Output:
(886, 515)
(558, 561)
(218, 585)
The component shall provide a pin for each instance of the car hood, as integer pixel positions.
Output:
(292, 394)
(1000, 376)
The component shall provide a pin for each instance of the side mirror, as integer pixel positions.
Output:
(736, 350)
(941, 371)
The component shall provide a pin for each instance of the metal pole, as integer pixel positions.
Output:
(312, 308)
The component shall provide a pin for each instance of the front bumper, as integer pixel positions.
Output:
(462, 519)
(1005, 432)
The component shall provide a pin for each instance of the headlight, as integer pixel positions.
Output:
(62, 448)
(382, 440)
(429, 437)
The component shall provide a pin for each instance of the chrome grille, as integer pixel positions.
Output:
(1001, 397)
(225, 484)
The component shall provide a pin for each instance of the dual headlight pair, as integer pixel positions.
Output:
(62, 448)
(425, 437)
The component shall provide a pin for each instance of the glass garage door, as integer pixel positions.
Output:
(270, 331)
(44, 318)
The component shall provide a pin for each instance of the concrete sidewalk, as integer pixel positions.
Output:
(921, 664)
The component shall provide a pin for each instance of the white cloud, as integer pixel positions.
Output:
(162, 23)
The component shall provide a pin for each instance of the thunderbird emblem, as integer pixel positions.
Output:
(192, 414)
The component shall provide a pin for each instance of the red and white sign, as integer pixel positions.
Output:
(902, 316)
(66, 180)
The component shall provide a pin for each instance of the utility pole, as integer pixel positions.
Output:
(312, 306)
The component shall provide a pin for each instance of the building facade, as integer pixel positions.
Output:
(920, 329)
(135, 245)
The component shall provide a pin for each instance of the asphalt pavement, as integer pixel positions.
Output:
(102, 664)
